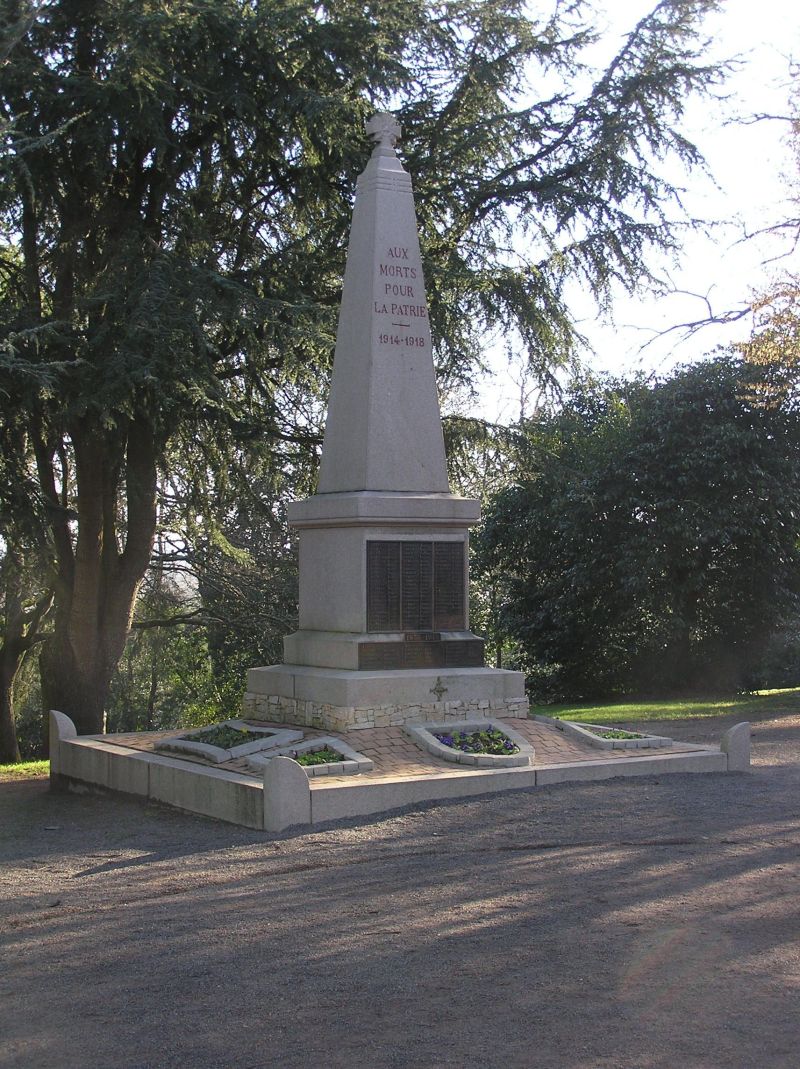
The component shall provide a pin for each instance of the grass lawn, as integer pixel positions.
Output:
(25, 769)
(763, 703)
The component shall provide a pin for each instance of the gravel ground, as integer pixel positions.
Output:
(620, 925)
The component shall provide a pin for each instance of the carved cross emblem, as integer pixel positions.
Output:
(384, 128)
(438, 689)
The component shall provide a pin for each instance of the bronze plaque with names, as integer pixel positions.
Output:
(448, 586)
(383, 586)
(468, 653)
(416, 586)
(381, 655)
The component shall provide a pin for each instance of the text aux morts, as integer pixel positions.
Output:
(397, 271)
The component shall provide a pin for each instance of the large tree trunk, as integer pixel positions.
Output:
(20, 631)
(9, 747)
(99, 580)
(11, 652)
(68, 686)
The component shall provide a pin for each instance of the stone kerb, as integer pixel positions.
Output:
(352, 762)
(269, 737)
(95, 762)
(423, 735)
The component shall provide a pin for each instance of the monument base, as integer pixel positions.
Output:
(341, 700)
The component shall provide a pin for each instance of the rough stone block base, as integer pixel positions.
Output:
(281, 710)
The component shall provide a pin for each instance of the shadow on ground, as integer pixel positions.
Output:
(632, 923)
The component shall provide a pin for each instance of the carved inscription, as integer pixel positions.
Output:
(399, 298)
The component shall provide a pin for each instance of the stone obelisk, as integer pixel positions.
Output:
(384, 625)
(384, 431)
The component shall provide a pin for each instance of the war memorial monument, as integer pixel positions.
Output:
(383, 673)
(384, 610)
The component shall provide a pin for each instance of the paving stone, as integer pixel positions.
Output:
(395, 755)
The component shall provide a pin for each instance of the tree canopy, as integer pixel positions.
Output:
(650, 539)
(175, 192)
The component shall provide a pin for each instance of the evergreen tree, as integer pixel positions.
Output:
(650, 540)
(177, 182)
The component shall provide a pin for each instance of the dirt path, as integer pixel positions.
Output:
(620, 925)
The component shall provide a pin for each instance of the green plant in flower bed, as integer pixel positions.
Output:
(224, 736)
(615, 733)
(325, 756)
(485, 741)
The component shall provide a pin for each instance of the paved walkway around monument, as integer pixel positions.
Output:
(403, 773)
(395, 754)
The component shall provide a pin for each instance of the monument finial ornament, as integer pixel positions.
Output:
(385, 130)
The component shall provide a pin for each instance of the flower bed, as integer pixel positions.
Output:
(616, 733)
(228, 740)
(485, 741)
(318, 757)
(607, 738)
(480, 742)
(224, 736)
(325, 756)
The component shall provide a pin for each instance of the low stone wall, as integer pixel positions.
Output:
(78, 763)
(279, 710)
(285, 799)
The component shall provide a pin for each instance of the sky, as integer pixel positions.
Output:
(749, 164)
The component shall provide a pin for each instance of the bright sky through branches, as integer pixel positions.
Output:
(750, 164)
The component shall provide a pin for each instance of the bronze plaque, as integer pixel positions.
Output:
(378, 655)
(383, 586)
(423, 654)
(416, 587)
(416, 596)
(452, 653)
(464, 653)
(448, 586)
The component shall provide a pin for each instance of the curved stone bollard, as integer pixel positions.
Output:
(736, 744)
(287, 795)
(61, 727)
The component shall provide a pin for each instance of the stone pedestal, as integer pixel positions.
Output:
(384, 607)
(357, 603)
(340, 700)
(338, 672)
